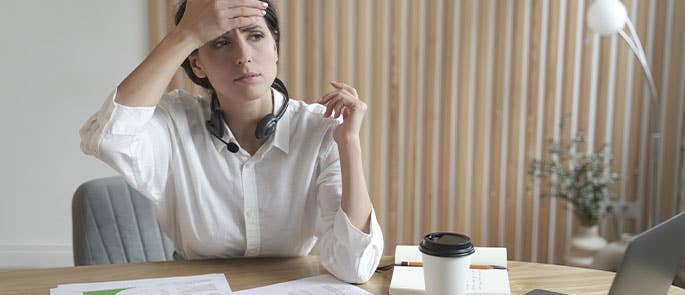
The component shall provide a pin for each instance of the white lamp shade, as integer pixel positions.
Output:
(606, 17)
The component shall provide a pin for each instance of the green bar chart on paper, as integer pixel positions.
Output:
(104, 292)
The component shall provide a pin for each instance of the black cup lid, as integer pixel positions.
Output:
(444, 244)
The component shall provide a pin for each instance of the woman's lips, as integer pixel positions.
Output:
(248, 78)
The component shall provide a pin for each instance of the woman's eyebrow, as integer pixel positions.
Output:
(243, 29)
(250, 28)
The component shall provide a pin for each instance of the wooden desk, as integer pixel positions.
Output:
(250, 273)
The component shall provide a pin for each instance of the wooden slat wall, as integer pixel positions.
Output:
(463, 94)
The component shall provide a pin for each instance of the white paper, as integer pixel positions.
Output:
(488, 281)
(210, 284)
(318, 285)
(408, 280)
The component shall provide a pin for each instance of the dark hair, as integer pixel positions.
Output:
(271, 22)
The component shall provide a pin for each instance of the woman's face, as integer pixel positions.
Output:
(241, 64)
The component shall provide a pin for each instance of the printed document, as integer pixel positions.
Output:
(210, 284)
(319, 285)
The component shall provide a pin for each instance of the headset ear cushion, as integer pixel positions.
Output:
(266, 126)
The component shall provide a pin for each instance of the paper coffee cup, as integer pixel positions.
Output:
(446, 261)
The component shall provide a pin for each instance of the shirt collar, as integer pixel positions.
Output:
(281, 138)
(282, 134)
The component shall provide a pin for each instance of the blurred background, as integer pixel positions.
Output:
(462, 95)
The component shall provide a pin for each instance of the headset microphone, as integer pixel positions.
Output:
(232, 147)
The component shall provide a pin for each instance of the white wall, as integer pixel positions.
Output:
(59, 61)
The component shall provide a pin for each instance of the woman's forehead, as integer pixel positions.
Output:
(259, 25)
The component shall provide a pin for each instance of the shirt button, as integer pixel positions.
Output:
(249, 213)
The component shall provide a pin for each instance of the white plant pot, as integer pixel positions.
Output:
(584, 245)
(610, 257)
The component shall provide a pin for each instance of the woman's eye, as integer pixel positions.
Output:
(256, 37)
(220, 43)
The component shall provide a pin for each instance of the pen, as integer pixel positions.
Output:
(420, 264)
(472, 266)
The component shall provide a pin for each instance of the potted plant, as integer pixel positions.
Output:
(583, 180)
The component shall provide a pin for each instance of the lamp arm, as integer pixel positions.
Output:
(643, 62)
(635, 45)
(633, 42)
(635, 37)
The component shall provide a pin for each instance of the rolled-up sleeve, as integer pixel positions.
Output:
(133, 141)
(346, 252)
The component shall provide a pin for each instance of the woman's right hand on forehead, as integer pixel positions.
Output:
(205, 20)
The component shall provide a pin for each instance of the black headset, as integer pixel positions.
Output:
(265, 127)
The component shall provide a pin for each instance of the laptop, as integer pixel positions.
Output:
(651, 260)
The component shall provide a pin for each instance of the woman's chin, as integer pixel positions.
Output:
(249, 91)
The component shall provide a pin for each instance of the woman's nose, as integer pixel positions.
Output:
(244, 55)
(244, 59)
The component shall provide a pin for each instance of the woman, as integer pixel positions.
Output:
(221, 184)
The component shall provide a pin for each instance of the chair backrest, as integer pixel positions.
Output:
(113, 223)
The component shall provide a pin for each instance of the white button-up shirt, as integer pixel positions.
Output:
(214, 203)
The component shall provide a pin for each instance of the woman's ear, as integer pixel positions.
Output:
(196, 65)
(276, 49)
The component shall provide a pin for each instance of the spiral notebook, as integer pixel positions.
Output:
(408, 280)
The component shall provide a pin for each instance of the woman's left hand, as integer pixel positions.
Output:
(344, 101)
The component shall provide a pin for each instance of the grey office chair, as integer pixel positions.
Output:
(113, 223)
